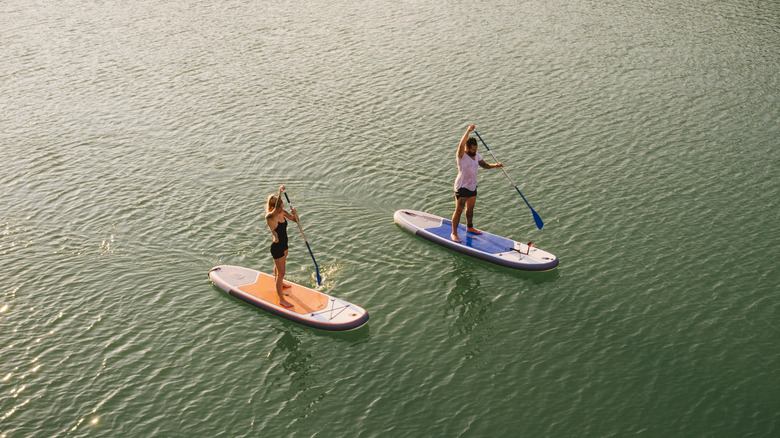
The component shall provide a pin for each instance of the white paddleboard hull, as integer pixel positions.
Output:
(310, 307)
(485, 246)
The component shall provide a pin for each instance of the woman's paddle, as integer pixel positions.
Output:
(298, 221)
(537, 219)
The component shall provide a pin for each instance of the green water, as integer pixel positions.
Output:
(139, 141)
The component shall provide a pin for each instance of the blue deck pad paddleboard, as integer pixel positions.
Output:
(485, 246)
(485, 242)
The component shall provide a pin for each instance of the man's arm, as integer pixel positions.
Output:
(486, 165)
(462, 144)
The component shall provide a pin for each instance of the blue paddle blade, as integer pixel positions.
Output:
(537, 219)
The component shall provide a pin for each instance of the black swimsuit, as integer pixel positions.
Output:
(278, 248)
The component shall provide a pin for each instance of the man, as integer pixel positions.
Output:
(466, 183)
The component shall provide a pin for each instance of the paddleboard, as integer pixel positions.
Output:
(485, 246)
(310, 307)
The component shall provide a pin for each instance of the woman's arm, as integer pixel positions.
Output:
(278, 205)
(292, 216)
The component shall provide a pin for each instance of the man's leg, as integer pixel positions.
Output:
(470, 215)
(459, 204)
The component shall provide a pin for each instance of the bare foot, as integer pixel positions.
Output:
(473, 230)
(286, 286)
(455, 237)
(285, 304)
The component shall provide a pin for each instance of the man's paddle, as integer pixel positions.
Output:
(298, 222)
(537, 219)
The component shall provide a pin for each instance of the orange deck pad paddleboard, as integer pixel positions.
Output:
(303, 299)
(310, 307)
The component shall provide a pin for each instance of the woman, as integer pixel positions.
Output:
(276, 218)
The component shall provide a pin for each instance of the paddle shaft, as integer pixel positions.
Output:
(537, 219)
(298, 222)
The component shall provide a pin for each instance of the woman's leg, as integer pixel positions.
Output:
(279, 271)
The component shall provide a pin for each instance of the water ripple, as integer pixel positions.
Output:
(140, 141)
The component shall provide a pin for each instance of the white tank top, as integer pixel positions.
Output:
(467, 171)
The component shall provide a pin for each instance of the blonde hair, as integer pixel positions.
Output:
(273, 201)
